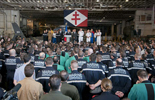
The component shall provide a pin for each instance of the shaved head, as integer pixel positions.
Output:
(90, 51)
(12, 52)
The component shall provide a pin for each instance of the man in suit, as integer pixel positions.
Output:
(68, 33)
(61, 34)
(74, 35)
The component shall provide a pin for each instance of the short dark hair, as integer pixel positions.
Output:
(26, 58)
(80, 54)
(142, 73)
(55, 59)
(31, 50)
(119, 62)
(49, 61)
(54, 81)
(64, 75)
(92, 57)
(76, 49)
(123, 54)
(29, 70)
(104, 49)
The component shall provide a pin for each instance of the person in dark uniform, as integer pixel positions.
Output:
(74, 35)
(106, 87)
(94, 74)
(58, 37)
(124, 59)
(2, 91)
(68, 33)
(105, 55)
(6, 52)
(121, 79)
(45, 36)
(55, 92)
(11, 67)
(44, 74)
(67, 89)
(77, 79)
(31, 53)
(62, 34)
(39, 63)
(134, 67)
(98, 60)
(112, 63)
(80, 60)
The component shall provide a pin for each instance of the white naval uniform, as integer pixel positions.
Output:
(54, 35)
(88, 35)
(81, 33)
(99, 38)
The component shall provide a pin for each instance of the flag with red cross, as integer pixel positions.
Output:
(76, 18)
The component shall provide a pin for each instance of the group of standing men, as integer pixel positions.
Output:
(81, 36)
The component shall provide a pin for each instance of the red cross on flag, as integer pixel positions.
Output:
(76, 17)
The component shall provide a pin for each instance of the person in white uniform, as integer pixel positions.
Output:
(88, 35)
(81, 33)
(98, 35)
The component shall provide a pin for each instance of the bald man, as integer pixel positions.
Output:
(11, 63)
(39, 63)
(121, 79)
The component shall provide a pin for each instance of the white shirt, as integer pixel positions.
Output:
(88, 34)
(98, 33)
(54, 35)
(81, 33)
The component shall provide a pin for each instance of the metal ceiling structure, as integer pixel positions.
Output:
(103, 11)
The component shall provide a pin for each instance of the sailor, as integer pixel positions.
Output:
(81, 34)
(45, 36)
(11, 67)
(88, 35)
(105, 68)
(124, 59)
(134, 66)
(31, 53)
(80, 60)
(94, 74)
(121, 79)
(77, 79)
(98, 35)
(44, 74)
(39, 63)
(105, 55)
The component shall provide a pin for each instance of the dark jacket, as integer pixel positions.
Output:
(106, 96)
(70, 90)
(55, 95)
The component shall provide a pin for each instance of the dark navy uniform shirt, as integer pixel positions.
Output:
(125, 62)
(32, 58)
(78, 80)
(39, 64)
(121, 80)
(80, 63)
(93, 72)
(44, 75)
(11, 64)
(134, 66)
(106, 96)
(105, 68)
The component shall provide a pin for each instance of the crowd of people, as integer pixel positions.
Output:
(58, 36)
(78, 71)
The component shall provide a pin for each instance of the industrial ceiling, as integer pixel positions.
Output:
(100, 11)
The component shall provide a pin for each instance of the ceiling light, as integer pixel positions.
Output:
(69, 8)
(129, 16)
(20, 6)
(126, 0)
(97, 0)
(38, 1)
(65, 1)
(46, 7)
(8, 0)
(120, 6)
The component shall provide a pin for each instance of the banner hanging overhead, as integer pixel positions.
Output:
(77, 18)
